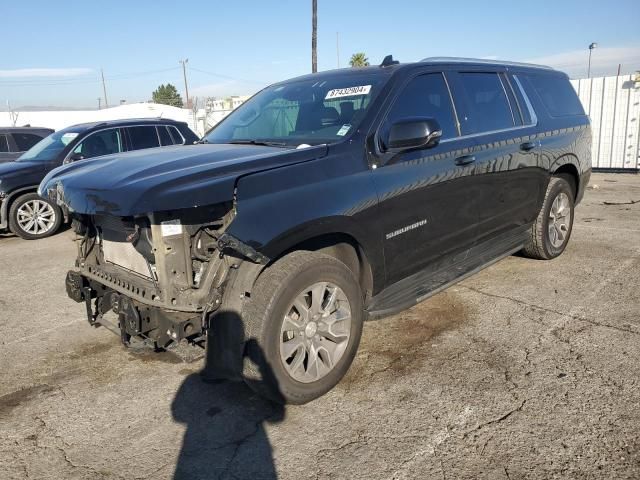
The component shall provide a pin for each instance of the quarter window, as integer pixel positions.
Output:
(487, 101)
(557, 94)
(165, 138)
(100, 143)
(175, 134)
(143, 137)
(24, 141)
(424, 96)
(4, 144)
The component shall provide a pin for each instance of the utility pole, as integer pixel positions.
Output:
(591, 47)
(104, 90)
(184, 74)
(338, 47)
(99, 103)
(314, 36)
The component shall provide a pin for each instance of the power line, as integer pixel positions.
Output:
(258, 82)
(83, 79)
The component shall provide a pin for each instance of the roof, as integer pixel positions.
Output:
(388, 69)
(123, 123)
(25, 129)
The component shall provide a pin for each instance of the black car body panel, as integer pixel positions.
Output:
(419, 219)
(23, 175)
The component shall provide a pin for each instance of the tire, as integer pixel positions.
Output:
(550, 233)
(32, 217)
(274, 325)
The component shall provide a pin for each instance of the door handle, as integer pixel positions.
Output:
(528, 146)
(465, 160)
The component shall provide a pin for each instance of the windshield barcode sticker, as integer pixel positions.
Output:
(348, 92)
(170, 228)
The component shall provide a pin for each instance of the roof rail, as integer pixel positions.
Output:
(483, 61)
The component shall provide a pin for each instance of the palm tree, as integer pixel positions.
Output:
(359, 60)
(314, 36)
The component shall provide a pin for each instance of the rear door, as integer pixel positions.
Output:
(508, 176)
(426, 195)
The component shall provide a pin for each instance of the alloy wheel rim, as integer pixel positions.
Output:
(559, 220)
(36, 217)
(315, 332)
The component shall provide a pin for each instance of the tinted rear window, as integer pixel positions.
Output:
(25, 141)
(557, 95)
(489, 107)
(165, 138)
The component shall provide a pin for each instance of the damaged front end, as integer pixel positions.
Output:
(162, 274)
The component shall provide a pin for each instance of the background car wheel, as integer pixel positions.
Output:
(32, 217)
(551, 231)
(304, 322)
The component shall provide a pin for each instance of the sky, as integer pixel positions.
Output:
(53, 52)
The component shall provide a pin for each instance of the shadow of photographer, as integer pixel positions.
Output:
(225, 435)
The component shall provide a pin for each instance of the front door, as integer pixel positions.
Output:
(426, 196)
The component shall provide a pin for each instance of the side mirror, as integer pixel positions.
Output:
(412, 133)
(74, 157)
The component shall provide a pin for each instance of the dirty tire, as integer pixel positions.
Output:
(53, 220)
(272, 296)
(539, 244)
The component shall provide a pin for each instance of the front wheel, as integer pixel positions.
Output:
(32, 217)
(304, 322)
(550, 232)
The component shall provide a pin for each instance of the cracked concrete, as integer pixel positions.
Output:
(526, 370)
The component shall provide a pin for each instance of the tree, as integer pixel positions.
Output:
(167, 95)
(314, 36)
(359, 60)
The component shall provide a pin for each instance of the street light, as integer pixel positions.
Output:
(591, 47)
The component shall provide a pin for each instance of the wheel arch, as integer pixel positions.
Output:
(568, 166)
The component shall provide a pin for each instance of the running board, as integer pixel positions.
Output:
(444, 273)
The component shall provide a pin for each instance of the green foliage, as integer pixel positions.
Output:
(167, 95)
(359, 60)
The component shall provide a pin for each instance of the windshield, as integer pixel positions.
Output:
(302, 112)
(48, 148)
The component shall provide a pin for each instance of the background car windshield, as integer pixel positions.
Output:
(309, 111)
(49, 148)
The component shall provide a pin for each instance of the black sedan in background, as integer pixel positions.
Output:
(31, 217)
(14, 141)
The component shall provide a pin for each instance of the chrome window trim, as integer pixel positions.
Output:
(506, 96)
(527, 102)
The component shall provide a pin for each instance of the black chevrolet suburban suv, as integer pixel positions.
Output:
(322, 201)
(31, 217)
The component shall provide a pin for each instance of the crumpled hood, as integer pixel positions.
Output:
(159, 179)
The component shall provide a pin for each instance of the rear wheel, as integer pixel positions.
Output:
(304, 322)
(550, 232)
(32, 217)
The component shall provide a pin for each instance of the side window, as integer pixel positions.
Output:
(175, 134)
(424, 96)
(165, 138)
(24, 141)
(104, 142)
(4, 144)
(557, 94)
(143, 137)
(489, 107)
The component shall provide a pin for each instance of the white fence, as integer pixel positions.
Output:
(613, 103)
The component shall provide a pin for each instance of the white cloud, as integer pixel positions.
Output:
(604, 61)
(45, 72)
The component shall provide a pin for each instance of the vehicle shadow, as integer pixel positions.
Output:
(225, 435)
